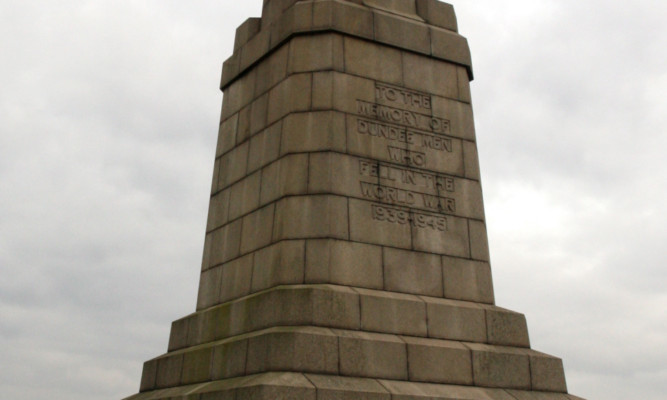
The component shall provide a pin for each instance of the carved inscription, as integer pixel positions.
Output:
(412, 196)
(403, 117)
(403, 135)
(415, 218)
(402, 97)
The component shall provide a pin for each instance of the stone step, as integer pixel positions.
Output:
(289, 385)
(357, 354)
(348, 308)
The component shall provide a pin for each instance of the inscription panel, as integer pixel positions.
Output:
(409, 167)
(403, 145)
(392, 184)
(408, 228)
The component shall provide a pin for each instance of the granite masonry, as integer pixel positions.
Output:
(346, 251)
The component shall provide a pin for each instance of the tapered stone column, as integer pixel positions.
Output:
(346, 251)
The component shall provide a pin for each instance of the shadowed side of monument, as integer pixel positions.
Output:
(346, 250)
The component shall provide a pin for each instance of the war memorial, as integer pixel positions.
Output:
(346, 253)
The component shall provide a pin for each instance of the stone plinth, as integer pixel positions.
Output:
(346, 250)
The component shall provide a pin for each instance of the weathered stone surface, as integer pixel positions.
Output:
(500, 367)
(344, 388)
(392, 313)
(411, 272)
(372, 355)
(439, 361)
(344, 263)
(293, 349)
(455, 320)
(346, 253)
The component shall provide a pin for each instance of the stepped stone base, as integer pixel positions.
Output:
(300, 386)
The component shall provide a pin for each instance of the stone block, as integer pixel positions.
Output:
(237, 95)
(376, 224)
(343, 16)
(274, 9)
(313, 131)
(258, 114)
(451, 241)
(233, 166)
(334, 173)
(373, 61)
(500, 367)
(412, 272)
(471, 160)
(264, 147)
(343, 263)
(506, 327)
(331, 387)
(335, 307)
(178, 336)
(169, 371)
(401, 7)
(417, 390)
(279, 264)
(439, 361)
(291, 95)
(230, 70)
(318, 305)
(372, 355)
(272, 70)
(429, 75)
(216, 176)
(297, 18)
(459, 115)
(225, 243)
(246, 31)
(209, 287)
(323, 90)
(236, 278)
(257, 228)
(464, 85)
(276, 386)
(349, 89)
(451, 46)
(196, 366)
(218, 211)
(316, 53)
(227, 135)
(244, 196)
(438, 14)
(547, 373)
(455, 320)
(468, 280)
(148, 376)
(479, 242)
(255, 49)
(201, 328)
(243, 129)
(285, 177)
(303, 349)
(402, 32)
(535, 395)
(392, 313)
(311, 217)
(229, 359)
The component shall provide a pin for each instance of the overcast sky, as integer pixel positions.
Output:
(109, 115)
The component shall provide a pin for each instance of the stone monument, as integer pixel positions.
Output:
(346, 250)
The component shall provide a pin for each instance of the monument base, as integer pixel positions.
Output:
(299, 386)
